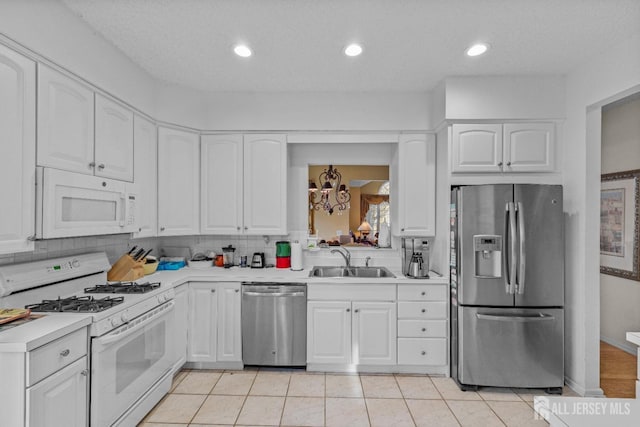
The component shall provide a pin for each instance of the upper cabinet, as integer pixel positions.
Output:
(244, 181)
(17, 151)
(145, 135)
(416, 175)
(113, 140)
(178, 182)
(67, 120)
(512, 147)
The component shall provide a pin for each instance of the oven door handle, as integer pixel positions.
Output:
(133, 326)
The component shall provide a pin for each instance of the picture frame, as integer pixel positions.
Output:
(620, 224)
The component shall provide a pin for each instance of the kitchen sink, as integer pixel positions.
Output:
(367, 272)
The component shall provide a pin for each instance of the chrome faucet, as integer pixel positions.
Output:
(366, 261)
(346, 255)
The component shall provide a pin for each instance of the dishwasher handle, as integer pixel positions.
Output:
(273, 294)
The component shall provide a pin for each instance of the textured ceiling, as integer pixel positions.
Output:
(409, 45)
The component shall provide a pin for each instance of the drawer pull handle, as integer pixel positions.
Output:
(237, 290)
(213, 291)
(65, 353)
(356, 310)
(424, 353)
(84, 373)
(424, 329)
(348, 310)
(424, 310)
(423, 293)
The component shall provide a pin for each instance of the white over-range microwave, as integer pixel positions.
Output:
(70, 204)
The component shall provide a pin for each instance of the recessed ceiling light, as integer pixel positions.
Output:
(242, 50)
(353, 49)
(477, 49)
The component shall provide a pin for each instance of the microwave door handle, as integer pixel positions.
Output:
(522, 256)
(511, 261)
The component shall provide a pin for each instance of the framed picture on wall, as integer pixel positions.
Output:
(619, 224)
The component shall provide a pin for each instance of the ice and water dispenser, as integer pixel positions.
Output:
(488, 255)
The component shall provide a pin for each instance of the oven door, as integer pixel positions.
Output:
(72, 204)
(128, 361)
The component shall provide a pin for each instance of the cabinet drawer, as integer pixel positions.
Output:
(422, 328)
(45, 360)
(422, 292)
(422, 310)
(422, 351)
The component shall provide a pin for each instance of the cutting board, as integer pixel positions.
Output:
(10, 314)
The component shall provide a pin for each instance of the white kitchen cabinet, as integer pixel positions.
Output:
(65, 122)
(496, 148)
(374, 333)
(145, 137)
(203, 322)
(113, 139)
(80, 132)
(229, 322)
(17, 151)
(244, 182)
(265, 184)
(178, 182)
(222, 184)
(61, 399)
(329, 332)
(351, 325)
(215, 324)
(181, 324)
(422, 327)
(416, 174)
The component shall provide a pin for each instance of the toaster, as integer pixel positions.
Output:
(257, 261)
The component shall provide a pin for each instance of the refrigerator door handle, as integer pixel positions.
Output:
(540, 317)
(512, 248)
(522, 256)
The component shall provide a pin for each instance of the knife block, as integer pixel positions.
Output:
(126, 269)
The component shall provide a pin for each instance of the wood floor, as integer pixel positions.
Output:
(617, 371)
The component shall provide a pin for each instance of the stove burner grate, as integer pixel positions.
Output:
(84, 304)
(122, 288)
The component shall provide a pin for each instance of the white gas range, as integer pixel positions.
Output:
(131, 354)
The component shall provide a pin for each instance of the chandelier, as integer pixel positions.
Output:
(331, 184)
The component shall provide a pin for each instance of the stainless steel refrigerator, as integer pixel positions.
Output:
(507, 286)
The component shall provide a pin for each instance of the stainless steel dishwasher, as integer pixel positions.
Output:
(274, 324)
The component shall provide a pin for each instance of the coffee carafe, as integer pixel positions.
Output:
(417, 266)
(415, 258)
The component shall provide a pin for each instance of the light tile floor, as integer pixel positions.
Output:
(298, 398)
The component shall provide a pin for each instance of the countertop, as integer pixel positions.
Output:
(40, 331)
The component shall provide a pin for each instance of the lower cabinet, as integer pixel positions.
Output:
(181, 325)
(351, 332)
(61, 399)
(214, 323)
(422, 327)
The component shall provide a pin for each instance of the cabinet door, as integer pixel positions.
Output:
(265, 184)
(374, 333)
(329, 332)
(113, 140)
(476, 148)
(203, 322)
(145, 137)
(529, 147)
(17, 151)
(417, 187)
(229, 322)
(178, 182)
(181, 325)
(221, 199)
(65, 122)
(61, 399)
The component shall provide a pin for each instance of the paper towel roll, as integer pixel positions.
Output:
(296, 256)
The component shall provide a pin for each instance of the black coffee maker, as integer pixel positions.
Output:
(257, 260)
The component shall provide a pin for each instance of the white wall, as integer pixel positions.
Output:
(619, 298)
(50, 29)
(605, 76)
(504, 97)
